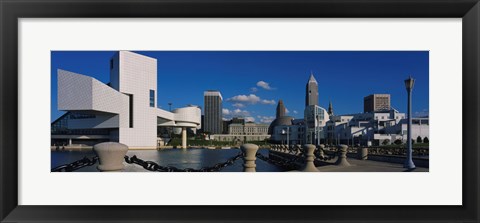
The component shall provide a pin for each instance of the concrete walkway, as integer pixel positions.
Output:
(356, 166)
(366, 166)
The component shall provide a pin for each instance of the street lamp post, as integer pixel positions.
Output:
(288, 137)
(409, 162)
(318, 136)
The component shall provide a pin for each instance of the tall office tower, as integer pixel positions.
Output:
(280, 109)
(376, 102)
(213, 112)
(315, 117)
(311, 95)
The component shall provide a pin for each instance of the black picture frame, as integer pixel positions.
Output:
(11, 11)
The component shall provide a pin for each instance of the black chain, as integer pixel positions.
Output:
(324, 157)
(76, 165)
(397, 151)
(152, 166)
(285, 164)
(294, 150)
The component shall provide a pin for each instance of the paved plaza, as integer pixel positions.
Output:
(366, 166)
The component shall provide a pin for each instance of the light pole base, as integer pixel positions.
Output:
(409, 164)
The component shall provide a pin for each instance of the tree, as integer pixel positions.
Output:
(419, 139)
(398, 142)
(425, 140)
(386, 142)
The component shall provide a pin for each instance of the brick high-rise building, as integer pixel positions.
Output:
(376, 102)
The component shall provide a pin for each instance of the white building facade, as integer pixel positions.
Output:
(127, 107)
(243, 133)
(316, 118)
(375, 128)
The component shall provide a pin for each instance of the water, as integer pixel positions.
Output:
(189, 158)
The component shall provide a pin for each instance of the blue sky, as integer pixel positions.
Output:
(252, 82)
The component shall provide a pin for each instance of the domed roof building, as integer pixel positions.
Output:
(281, 118)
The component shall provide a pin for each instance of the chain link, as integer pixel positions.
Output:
(76, 165)
(397, 151)
(324, 157)
(285, 164)
(152, 166)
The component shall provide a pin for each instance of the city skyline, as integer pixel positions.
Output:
(252, 82)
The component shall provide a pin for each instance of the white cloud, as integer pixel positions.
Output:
(266, 119)
(228, 114)
(238, 105)
(253, 89)
(225, 111)
(264, 85)
(286, 110)
(239, 112)
(268, 102)
(252, 99)
(240, 100)
(295, 112)
(249, 119)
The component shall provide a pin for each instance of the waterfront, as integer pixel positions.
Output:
(180, 158)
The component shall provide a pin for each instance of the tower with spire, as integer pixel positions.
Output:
(311, 95)
(315, 117)
(330, 109)
(280, 109)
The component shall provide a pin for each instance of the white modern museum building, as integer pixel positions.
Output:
(126, 106)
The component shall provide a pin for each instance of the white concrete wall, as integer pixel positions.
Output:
(417, 130)
(80, 92)
(165, 114)
(137, 76)
(107, 99)
(187, 116)
(74, 91)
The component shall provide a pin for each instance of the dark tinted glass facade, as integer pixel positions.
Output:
(213, 114)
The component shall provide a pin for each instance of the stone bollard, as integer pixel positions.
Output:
(308, 150)
(250, 152)
(362, 153)
(321, 147)
(111, 156)
(342, 156)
